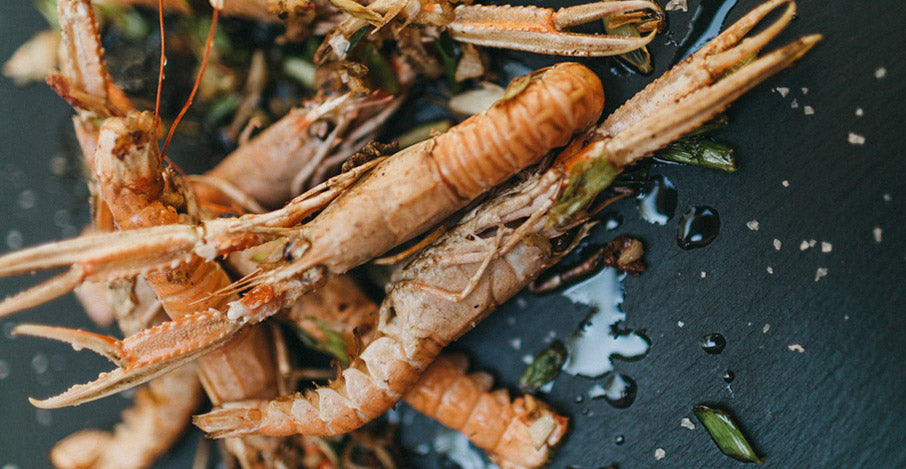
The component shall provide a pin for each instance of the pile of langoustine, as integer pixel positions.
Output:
(193, 289)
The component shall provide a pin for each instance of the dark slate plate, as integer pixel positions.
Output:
(840, 403)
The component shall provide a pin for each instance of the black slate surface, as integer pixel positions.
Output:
(840, 403)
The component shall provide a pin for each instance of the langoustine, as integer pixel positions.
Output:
(425, 281)
(499, 247)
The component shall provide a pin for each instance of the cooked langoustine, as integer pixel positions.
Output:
(447, 288)
(419, 316)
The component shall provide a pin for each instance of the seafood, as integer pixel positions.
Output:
(446, 289)
(516, 433)
(495, 251)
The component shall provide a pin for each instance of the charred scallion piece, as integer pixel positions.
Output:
(726, 434)
(544, 367)
(697, 150)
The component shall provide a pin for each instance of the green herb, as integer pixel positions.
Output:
(300, 70)
(700, 151)
(640, 58)
(544, 367)
(334, 343)
(587, 180)
(356, 37)
(48, 9)
(726, 434)
(378, 69)
(448, 57)
(422, 132)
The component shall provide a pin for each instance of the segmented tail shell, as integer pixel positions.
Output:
(489, 147)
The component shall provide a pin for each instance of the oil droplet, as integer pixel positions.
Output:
(657, 202)
(619, 440)
(697, 227)
(729, 376)
(713, 343)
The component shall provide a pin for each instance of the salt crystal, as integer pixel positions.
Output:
(686, 423)
(794, 104)
(856, 139)
(660, 454)
(777, 244)
(783, 91)
(796, 348)
(887, 197)
(812, 243)
(804, 90)
(880, 73)
(804, 245)
(770, 270)
(859, 112)
(704, 274)
(878, 233)
(785, 183)
(680, 324)
(766, 328)
(820, 273)
(528, 359)
(808, 110)
(516, 343)
(753, 225)
(826, 247)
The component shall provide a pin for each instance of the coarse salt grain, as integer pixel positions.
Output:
(808, 110)
(777, 244)
(783, 91)
(794, 104)
(881, 72)
(859, 112)
(753, 225)
(796, 348)
(686, 423)
(856, 139)
(770, 270)
(704, 274)
(878, 234)
(826, 247)
(804, 90)
(766, 328)
(804, 245)
(820, 273)
(660, 454)
(785, 183)
(680, 324)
